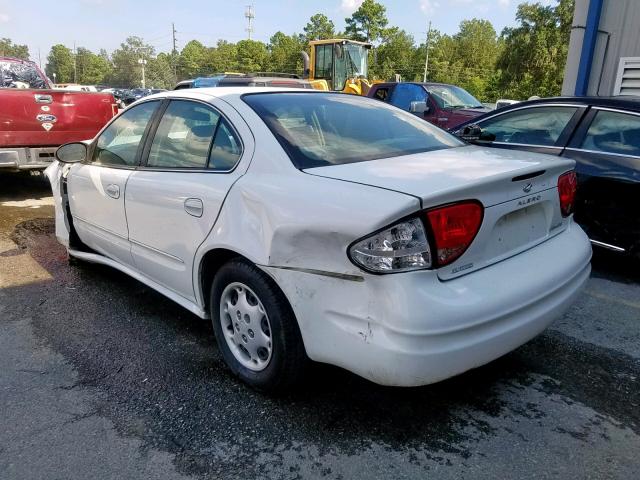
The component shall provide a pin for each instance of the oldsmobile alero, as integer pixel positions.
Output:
(323, 226)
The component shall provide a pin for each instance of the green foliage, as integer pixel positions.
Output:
(10, 49)
(524, 60)
(368, 23)
(284, 53)
(319, 27)
(192, 59)
(92, 69)
(535, 52)
(127, 72)
(60, 62)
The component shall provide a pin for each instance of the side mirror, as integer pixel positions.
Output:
(474, 133)
(419, 108)
(72, 153)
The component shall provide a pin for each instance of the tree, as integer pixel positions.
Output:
(252, 56)
(192, 59)
(368, 22)
(319, 27)
(10, 49)
(127, 72)
(92, 69)
(159, 72)
(395, 55)
(535, 52)
(60, 63)
(221, 58)
(284, 53)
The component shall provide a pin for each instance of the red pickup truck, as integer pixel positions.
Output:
(35, 119)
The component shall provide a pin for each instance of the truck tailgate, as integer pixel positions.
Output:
(39, 118)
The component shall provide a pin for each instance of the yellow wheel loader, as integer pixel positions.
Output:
(338, 65)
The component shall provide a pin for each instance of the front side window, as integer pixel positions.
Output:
(193, 135)
(320, 129)
(405, 93)
(118, 144)
(614, 132)
(531, 126)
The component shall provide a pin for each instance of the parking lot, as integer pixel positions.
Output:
(103, 376)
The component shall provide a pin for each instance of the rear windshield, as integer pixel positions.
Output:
(320, 129)
(20, 75)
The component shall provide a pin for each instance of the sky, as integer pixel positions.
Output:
(96, 24)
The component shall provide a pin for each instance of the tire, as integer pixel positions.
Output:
(282, 361)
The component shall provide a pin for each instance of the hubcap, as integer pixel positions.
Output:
(246, 326)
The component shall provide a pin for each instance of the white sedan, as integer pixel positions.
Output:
(322, 226)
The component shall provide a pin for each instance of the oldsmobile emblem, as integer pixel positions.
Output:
(527, 188)
(46, 117)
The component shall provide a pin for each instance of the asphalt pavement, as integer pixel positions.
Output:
(104, 378)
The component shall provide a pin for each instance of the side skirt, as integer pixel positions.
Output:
(183, 302)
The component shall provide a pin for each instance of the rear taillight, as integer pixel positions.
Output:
(454, 227)
(407, 245)
(567, 187)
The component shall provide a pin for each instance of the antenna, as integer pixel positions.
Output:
(249, 14)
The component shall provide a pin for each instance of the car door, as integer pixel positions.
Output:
(191, 161)
(541, 128)
(606, 148)
(97, 188)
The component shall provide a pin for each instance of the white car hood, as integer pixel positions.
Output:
(452, 174)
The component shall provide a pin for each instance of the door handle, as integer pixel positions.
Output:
(41, 98)
(113, 190)
(193, 206)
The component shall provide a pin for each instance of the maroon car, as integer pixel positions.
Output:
(446, 106)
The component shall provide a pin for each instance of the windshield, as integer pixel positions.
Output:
(450, 96)
(321, 129)
(351, 61)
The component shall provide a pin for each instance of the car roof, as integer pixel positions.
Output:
(622, 102)
(232, 92)
(424, 84)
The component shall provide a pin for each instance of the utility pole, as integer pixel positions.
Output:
(75, 65)
(174, 53)
(249, 14)
(426, 60)
(142, 63)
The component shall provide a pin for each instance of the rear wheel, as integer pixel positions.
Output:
(255, 328)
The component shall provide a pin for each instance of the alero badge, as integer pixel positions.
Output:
(46, 117)
(47, 126)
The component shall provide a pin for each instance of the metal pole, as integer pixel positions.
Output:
(426, 60)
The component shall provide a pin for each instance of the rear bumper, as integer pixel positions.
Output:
(414, 329)
(25, 158)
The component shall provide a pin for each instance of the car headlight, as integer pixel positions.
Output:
(399, 248)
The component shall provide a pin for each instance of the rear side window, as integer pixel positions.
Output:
(530, 126)
(614, 132)
(193, 135)
(319, 129)
(118, 144)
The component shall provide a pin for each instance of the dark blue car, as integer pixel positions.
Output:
(602, 134)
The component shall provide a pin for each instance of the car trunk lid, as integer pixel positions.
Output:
(517, 189)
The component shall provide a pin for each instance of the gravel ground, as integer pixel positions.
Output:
(102, 377)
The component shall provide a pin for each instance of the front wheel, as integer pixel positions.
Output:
(255, 328)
